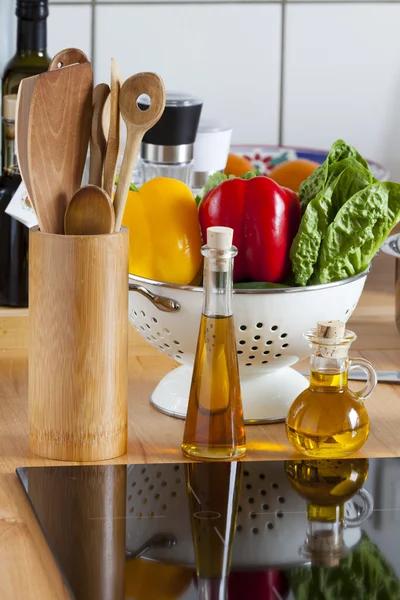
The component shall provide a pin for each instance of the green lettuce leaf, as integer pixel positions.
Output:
(316, 182)
(346, 177)
(357, 232)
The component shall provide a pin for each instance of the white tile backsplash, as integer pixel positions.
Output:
(342, 78)
(69, 26)
(229, 55)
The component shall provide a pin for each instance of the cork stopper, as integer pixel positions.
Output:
(325, 548)
(219, 238)
(331, 330)
(10, 107)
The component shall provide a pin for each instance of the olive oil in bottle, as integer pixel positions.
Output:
(214, 424)
(326, 485)
(31, 57)
(328, 419)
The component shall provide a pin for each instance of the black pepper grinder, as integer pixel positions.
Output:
(167, 148)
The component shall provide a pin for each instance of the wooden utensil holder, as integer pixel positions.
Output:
(78, 345)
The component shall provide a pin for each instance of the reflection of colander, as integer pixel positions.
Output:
(271, 522)
(269, 327)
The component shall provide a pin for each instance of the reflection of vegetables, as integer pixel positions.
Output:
(164, 231)
(363, 574)
(257, 585)
(265, 218)
(148, 580)
(347, 215)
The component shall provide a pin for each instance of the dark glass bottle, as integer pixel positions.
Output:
(13, 234)
(31, 57)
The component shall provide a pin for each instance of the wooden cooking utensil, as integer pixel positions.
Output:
(90, 212)
(24, 99)
(98, 142)
(58, 136)
(67, 57)
(113, 140)
(137, 123)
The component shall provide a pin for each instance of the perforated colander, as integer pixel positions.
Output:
(271, 522)
(269, 327)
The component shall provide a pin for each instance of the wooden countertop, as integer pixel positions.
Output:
(27, 569)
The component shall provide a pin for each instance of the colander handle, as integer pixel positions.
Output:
(160, 302)
(365, 511)
(372, 379)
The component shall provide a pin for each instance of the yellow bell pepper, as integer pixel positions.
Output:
(164, 232)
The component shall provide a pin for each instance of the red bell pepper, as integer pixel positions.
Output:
(264, 217)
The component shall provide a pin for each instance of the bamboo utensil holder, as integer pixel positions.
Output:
(78, 345)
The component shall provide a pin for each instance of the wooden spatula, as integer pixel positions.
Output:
(67, 57)
(137, 123)
(24, 99)
(113, 141)
(58, 136)
(98, 141)
(90, 212)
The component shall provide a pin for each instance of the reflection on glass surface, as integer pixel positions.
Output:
(213, 492)
(272, 530)
(82, 512)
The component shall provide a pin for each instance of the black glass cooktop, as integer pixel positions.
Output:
(296, 530)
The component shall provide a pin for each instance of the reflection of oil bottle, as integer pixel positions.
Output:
(326, 485)
(328, 419)
(214, 424)
(213, 491)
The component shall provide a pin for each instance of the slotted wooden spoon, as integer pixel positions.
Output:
(113, 140)
(58, 136)
(98, 141)
(90, 212)
(137, 123)
(67, 57)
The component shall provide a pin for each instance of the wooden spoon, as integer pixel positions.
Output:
(113, 140)
(90, 212)
(98, 142)
(137, 123)
(67, 57)
(58, 136)
(24, 100)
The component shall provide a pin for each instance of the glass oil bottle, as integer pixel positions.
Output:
(213, 493)
(328, 419)
(214, 426)
(326, 485)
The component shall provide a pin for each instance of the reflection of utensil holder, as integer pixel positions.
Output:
(82, 511)
(78, 345)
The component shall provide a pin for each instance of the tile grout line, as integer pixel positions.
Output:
(94, 3)
(282, 74)
(93, 34)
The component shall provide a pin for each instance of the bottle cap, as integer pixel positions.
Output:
(176, 130)
(32, 9)
(331, 330)
(9, 107)
(219, 238)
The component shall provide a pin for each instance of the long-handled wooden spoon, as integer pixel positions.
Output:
(98, 141)
(113, 140)
(137, 123)
(90, 212)
(67, 57)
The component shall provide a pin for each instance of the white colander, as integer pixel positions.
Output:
(269, 327)
(270, 527)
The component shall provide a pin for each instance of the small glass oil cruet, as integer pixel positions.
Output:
(328, 419)
(214, 426)
(327, 485)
